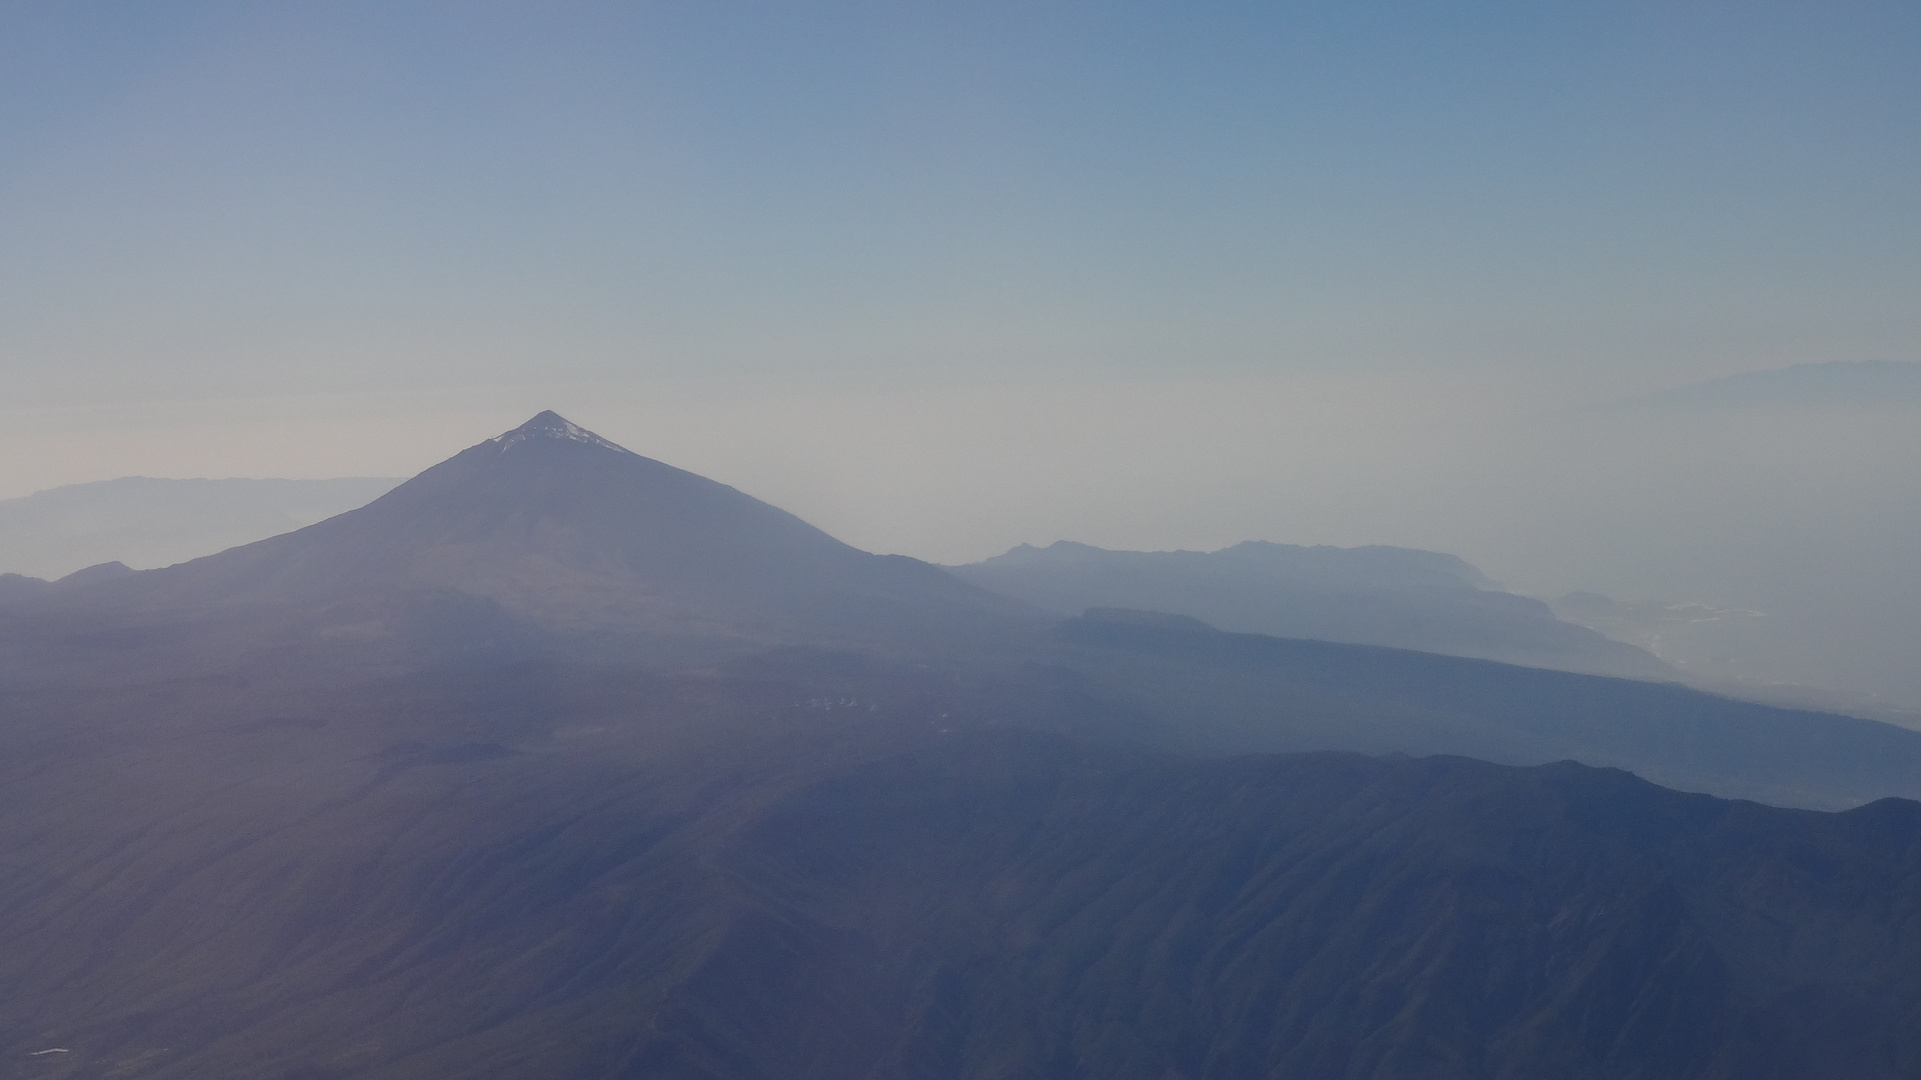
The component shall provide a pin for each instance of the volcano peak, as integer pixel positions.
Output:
(551, 425)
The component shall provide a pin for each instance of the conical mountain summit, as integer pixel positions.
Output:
(551, 425)
(569, 532)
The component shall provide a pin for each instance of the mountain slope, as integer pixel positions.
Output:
(1369, 596)
(1210, 693)
(147, 522)
(553, 528)
(712, 893)
(560, 762)
(550, 545)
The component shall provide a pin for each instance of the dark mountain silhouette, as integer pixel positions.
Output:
(20, 587)
(14, 587)
(549, 543)
(557, 761)
(552, 529)
(93, 575)
(1398, 597)
(772, 883)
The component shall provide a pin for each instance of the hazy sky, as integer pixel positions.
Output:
(936, 275)
(209, 200)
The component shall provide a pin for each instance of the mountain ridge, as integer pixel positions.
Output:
(567, 530)
(1396, 597)
(148, 522)
(342, 806)
(871, 894)
(549, 544)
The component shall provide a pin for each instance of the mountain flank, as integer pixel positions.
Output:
(148, 522)
(550, 529)
(1398, 597)
(558, 761)
(550, 544)
(879, 892)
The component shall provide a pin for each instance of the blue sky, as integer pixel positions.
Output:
(215, 200)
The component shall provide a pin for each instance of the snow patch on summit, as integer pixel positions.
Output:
(550, 425)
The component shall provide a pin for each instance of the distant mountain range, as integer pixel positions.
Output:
(15, 587)
(549, 543)
(550, 532)
(1370, 596)
(559, 761)
(147, 522)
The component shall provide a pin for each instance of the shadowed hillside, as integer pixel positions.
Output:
(557, 761)
(747, 878)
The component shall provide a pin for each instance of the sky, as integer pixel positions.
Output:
(943, 278)
(208, 201)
